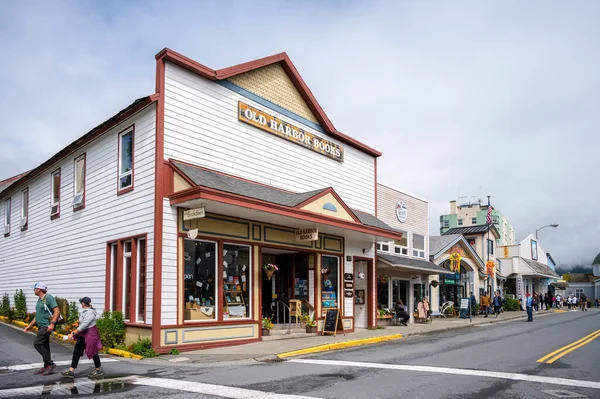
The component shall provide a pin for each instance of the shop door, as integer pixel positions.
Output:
(399, 291)
(361, 295)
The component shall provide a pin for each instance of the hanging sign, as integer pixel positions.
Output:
(190, 214)
(310, 234)
(283, 129)
(401, 211)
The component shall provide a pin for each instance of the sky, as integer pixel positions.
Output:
(463, 98)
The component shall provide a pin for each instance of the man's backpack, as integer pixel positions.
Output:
(60, 319)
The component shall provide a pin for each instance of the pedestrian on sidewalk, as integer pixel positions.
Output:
(401, 313)
(558, 300)
(88, 340)
(583, 302)
(485, 304)
(529, 307)
(497, 303)
(46, 316)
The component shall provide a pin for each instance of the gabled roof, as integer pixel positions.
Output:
(202, 178)
(113, 121)
(438, 245)
(4, 184)
(596, 260)
(411, 263)
(290, 69)
(479, 229)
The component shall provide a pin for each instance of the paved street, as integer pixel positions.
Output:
(487, 361)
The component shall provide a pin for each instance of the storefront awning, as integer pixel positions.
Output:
(561, 285)
(210, 185)
(421, 266)
(538, 269)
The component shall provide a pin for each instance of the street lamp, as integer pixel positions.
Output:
(548, 225)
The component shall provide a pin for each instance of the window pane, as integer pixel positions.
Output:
(56, 188)
(418, 241)
(113, 271)
(7, 212)
(126, 152)
(200, 267)
(403, 242)
(125, 181)
(329, 282)
(79, 175)
(127, 247)
(25, 204)
(236, 279)
(141, 280)
(126, 286)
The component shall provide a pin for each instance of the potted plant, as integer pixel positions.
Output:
(267, 325)
(304, 319)
(311, 326)
(269, 269)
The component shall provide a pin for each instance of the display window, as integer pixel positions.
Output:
(329, 281)
(200, 268)
(236, 281)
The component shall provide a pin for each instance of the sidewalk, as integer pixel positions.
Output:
(272, 350)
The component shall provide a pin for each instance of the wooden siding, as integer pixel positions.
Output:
(169, 265)
(201, 127)
(417, 221)
(69, 253)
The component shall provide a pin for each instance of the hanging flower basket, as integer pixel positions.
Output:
(382, 279)
(269, 270)
(434, 283)
(489, 267)
(455, 262)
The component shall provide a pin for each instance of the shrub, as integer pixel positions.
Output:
(72, 315)
(174, 351)
(143, 347)
(5, 305)
(29, 317)
(11, 315)
(111, 328)
(20, 305)
(510, 304)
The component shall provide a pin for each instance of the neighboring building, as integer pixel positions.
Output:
(551, 263)
(581, 283)
(455, 284)
(526, 267)
(470, 211)
(483, 240)
(403, 267)
(596, 271)
(168, 210)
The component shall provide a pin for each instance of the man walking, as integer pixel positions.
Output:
(497, 303)
(529, 307)
(485, 304)
(46, 316)
(472, 303)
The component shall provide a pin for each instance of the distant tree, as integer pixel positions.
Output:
(575, 269)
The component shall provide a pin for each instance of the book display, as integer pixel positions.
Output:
(236, 274)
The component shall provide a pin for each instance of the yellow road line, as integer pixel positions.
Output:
(573, 345)
(572, 349)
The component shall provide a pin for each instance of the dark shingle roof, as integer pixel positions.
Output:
(540, 268)
(437, 243)
(596, 260)
(230, 184)
(469, 230)
(422, 265)
(580, 278)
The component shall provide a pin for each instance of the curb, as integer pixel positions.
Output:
(340, 345)
(112, 351)
(122, 353)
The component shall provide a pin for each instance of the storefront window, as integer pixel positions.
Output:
(200, 265)
(329, 281)
(236, 281)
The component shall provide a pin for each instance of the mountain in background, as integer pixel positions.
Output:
(575, 269)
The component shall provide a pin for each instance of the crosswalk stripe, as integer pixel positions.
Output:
(31, 366)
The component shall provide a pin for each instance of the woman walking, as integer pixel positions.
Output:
(88, 340)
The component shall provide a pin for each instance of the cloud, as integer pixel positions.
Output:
(502, 96)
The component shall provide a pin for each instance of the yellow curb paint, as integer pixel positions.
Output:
(340, 345)
(119, 352)
(575, 344)
(3, 318)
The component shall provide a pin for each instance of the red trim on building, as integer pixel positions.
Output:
(158, 202)
(282, 58)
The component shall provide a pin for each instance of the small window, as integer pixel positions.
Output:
(495, 219)
(401, 246)
(445, 224)
(55, 198)
(126, 160)
(460, 222)
(473, 220)
(385, 247)
(378, 246)
(126, 280)
(79, 183)
(490, 244)
(7, 209)
(418, 244)
(24, 209)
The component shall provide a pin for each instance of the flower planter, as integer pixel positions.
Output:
(384, 320)
(265, 332)
(269, 273)
(311, 330)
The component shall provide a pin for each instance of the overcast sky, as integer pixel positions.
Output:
(462, 98)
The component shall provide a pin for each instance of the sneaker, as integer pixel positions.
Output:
(96, 374)
(49, 369)
(68, 373)
(40, 371)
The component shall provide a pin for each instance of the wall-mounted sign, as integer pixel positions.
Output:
(310, 234)
(401, 211)
(190, 214)
(281, 128)
(192, 234)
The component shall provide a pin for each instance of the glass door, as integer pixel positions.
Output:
(399, 291)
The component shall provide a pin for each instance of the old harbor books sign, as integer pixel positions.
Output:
(295, 134)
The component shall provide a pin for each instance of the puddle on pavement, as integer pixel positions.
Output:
(65, 387)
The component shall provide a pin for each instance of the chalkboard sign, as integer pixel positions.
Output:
(333, 322)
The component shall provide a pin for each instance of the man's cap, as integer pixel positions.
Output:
(85, 300)
(40, 285)
(527, 294)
